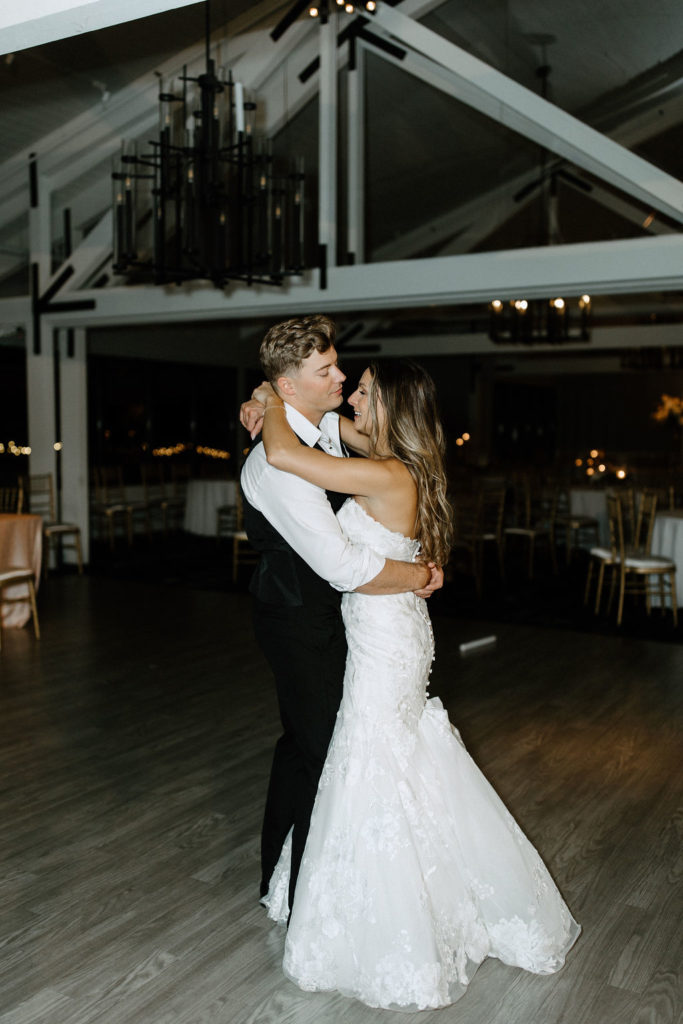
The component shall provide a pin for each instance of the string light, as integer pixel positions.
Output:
(214, 453)
(11, 448)
(178, 449)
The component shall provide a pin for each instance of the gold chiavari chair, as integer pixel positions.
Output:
(535, 517)
(155, 493)
(574, 525)
(230, 523)
(12, 499)
(639, 572)
(175, 493)
(110, 505)
(478, 522)
(55, 532)
(11, 578)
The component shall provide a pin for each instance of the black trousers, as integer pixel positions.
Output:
(306, 650)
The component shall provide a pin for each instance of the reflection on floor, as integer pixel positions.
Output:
(135, 744)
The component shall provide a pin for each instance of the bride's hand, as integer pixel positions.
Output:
(435, 581)
(251, 416)
(251, 412)
(264, 392)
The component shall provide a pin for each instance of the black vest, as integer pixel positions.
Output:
(281, 576)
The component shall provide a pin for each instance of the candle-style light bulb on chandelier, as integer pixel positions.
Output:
(539, 321)
(322, 9)
(209, 200)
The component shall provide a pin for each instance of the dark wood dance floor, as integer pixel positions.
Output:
(135, 741)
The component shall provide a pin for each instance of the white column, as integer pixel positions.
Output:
(40, 360)
(40, 384)
(356, 155)
(327, 163)
(39, 221)
(74, 434)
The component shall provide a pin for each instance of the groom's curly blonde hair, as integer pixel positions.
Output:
(287, 344)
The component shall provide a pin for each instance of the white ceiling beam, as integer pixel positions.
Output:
(14, 312)
(490, 218)
(420, 8)
(456, 220)
(622, 207)
(599, 268)
(493, 94)
(42, 21)
(283, 93)
(663, 116)
(262, 57)
(75, 148)
(355, 156)
(491, 215)
(92, 252)
(464, 221)
(327, 141)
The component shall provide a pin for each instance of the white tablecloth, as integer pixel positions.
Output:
(204, 498)
(667, 540)
(587, 501)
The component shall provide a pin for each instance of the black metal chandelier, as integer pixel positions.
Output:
(556, 320)
(539, 321)
(209, 200)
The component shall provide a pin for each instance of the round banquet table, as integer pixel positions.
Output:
(21, 547)
(203, 499)
(667, 540)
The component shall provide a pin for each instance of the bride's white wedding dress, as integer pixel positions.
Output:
(414, 871)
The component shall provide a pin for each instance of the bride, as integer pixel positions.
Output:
(414, 871)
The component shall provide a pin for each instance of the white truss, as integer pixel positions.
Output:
(77, 150)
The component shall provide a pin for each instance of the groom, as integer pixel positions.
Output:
(306, 562)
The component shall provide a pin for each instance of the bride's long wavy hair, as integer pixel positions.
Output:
(414, 435)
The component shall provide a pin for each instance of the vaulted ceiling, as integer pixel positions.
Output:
(445, 174)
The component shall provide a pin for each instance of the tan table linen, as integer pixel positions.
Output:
(21, 547)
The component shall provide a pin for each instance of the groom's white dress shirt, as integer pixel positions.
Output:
(301, 513)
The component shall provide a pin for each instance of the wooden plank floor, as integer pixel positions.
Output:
(135, 741)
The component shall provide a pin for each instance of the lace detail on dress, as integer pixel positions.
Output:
(414, 871)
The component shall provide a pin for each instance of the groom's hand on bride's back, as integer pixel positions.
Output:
(435, 581)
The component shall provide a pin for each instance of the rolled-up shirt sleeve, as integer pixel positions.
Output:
(301, 513)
